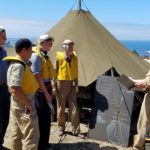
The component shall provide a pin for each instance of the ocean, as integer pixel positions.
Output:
(141, 47)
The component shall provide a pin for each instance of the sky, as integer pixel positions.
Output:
(125, 19)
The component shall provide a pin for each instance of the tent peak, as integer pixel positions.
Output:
(79, 5)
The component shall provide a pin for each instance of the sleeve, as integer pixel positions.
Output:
(36, 63)
(147, 81)
(16, 75)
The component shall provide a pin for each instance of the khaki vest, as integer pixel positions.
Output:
(67, 71)
(29, 83)
(47, 69)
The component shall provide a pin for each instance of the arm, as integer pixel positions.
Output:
(139, 83)
(17, 91)
(54, 82)
(56, 65)
(76, 85)
(15, 76)
(42, 87)
(36, 69)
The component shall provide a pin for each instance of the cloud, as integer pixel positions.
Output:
(30, 28)
(129, 31)
(25, 28)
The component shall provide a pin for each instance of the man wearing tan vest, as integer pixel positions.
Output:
(67, 86)
(22, 86)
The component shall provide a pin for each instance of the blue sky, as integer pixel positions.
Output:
(125, 19)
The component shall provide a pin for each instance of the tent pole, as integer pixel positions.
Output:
(79, 4)
(112, 72)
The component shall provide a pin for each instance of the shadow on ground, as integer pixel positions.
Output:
(80, 146)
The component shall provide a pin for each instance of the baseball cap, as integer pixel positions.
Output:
(67, 41)
(45, 37)
(23, 43)
(1, 28)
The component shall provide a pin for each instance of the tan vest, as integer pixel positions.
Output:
(29, 83)
(67, 71)
(47, 69)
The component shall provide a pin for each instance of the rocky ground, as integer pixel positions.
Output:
(69, 142)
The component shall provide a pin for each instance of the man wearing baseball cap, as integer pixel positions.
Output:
(44, 73)
(4, 94)
(22, 86)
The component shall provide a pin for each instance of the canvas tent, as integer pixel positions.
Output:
(97, 48)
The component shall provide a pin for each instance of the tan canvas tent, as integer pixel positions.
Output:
(97, 50)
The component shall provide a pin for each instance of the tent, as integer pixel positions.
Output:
(97, 49)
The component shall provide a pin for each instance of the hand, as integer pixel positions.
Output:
(54, 91)
(48, 98)
(139, 85)
(28, 109)
(51, 108)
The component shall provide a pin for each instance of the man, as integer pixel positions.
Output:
(44, 73)
(4, 94)
(144, 117)
(67, 86)
(22, 86)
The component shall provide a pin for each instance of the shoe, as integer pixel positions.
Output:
(79, 135)
(61, 133)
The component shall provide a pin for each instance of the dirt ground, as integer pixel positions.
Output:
(69, 142)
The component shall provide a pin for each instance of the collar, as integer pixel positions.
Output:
(44, 53)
